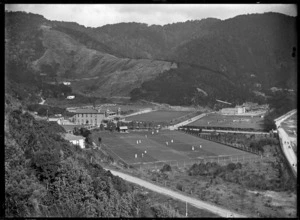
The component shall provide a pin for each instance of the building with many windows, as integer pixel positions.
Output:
(88, 116)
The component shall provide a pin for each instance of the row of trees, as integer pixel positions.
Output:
(240, 140)
(44, 110)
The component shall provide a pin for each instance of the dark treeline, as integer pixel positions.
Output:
(280, 103)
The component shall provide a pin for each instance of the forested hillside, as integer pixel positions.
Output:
(247, 54)
(183, 86)
(42, 48)
(46, 176)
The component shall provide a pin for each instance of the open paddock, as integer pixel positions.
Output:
(218, 120)
(159, 116)
(159, 147)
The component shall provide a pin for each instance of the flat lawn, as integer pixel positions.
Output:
(135, 107)
(125, 146)
(217, 120)
(158, 116)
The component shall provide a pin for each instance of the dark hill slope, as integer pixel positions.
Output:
(37, 46)
(246, 52)
(253, 51)
(259, 44)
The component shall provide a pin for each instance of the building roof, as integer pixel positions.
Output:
(71, 127)
(54, 118)
(88, 111)
(71, 137)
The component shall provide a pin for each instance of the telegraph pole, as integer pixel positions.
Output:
(186, 210)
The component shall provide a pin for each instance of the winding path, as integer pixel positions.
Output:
(162, 190)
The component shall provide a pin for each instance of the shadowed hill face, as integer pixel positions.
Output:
(248, 44)
(109, 74)
(237, 53)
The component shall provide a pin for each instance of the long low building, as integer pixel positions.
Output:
(91, 116)
(233, 111)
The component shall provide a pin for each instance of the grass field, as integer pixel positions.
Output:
(125, 146)
(158, 116)
(217, 120)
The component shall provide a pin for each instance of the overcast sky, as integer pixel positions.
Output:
(95, 15)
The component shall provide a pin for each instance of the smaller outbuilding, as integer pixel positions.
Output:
(123, 129)
(71, 97)
(76, 140)
(58, 120)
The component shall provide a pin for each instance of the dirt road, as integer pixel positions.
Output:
(173, 127)
(197, 203)
(285, 141)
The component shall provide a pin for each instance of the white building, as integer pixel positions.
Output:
(71, 97)
(58, 120)
(76, 140)
(233, 111)
(123, 129)
(66, 83)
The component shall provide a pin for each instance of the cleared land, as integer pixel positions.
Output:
(125, 146)
(240, 190)
(217, 120)
(290, 125)
(159, 116)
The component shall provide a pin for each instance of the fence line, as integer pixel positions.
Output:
(222, 160)
(235, 145)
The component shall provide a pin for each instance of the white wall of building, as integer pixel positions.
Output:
(88, 118)
(78, 142)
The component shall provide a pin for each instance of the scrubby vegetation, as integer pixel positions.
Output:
(46, 176)
(235, 173)
(280, 103)
(44, 110)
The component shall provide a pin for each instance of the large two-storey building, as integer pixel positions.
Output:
(88, 116)
(93, 117)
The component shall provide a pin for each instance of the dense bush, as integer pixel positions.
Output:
(44, 110)
(57, 179)
(235, 174)
(179, 186)
(258, 145)
(161, 211)
(166, 168)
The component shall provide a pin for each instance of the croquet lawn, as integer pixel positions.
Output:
(159, 146)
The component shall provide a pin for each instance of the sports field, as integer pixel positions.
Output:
(218, 120)
(158, 116)
(125, 146)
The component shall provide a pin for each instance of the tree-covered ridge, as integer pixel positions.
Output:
(280, 103)
(46, 176)
(251, 51)
(179, 86)
(23, 37)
